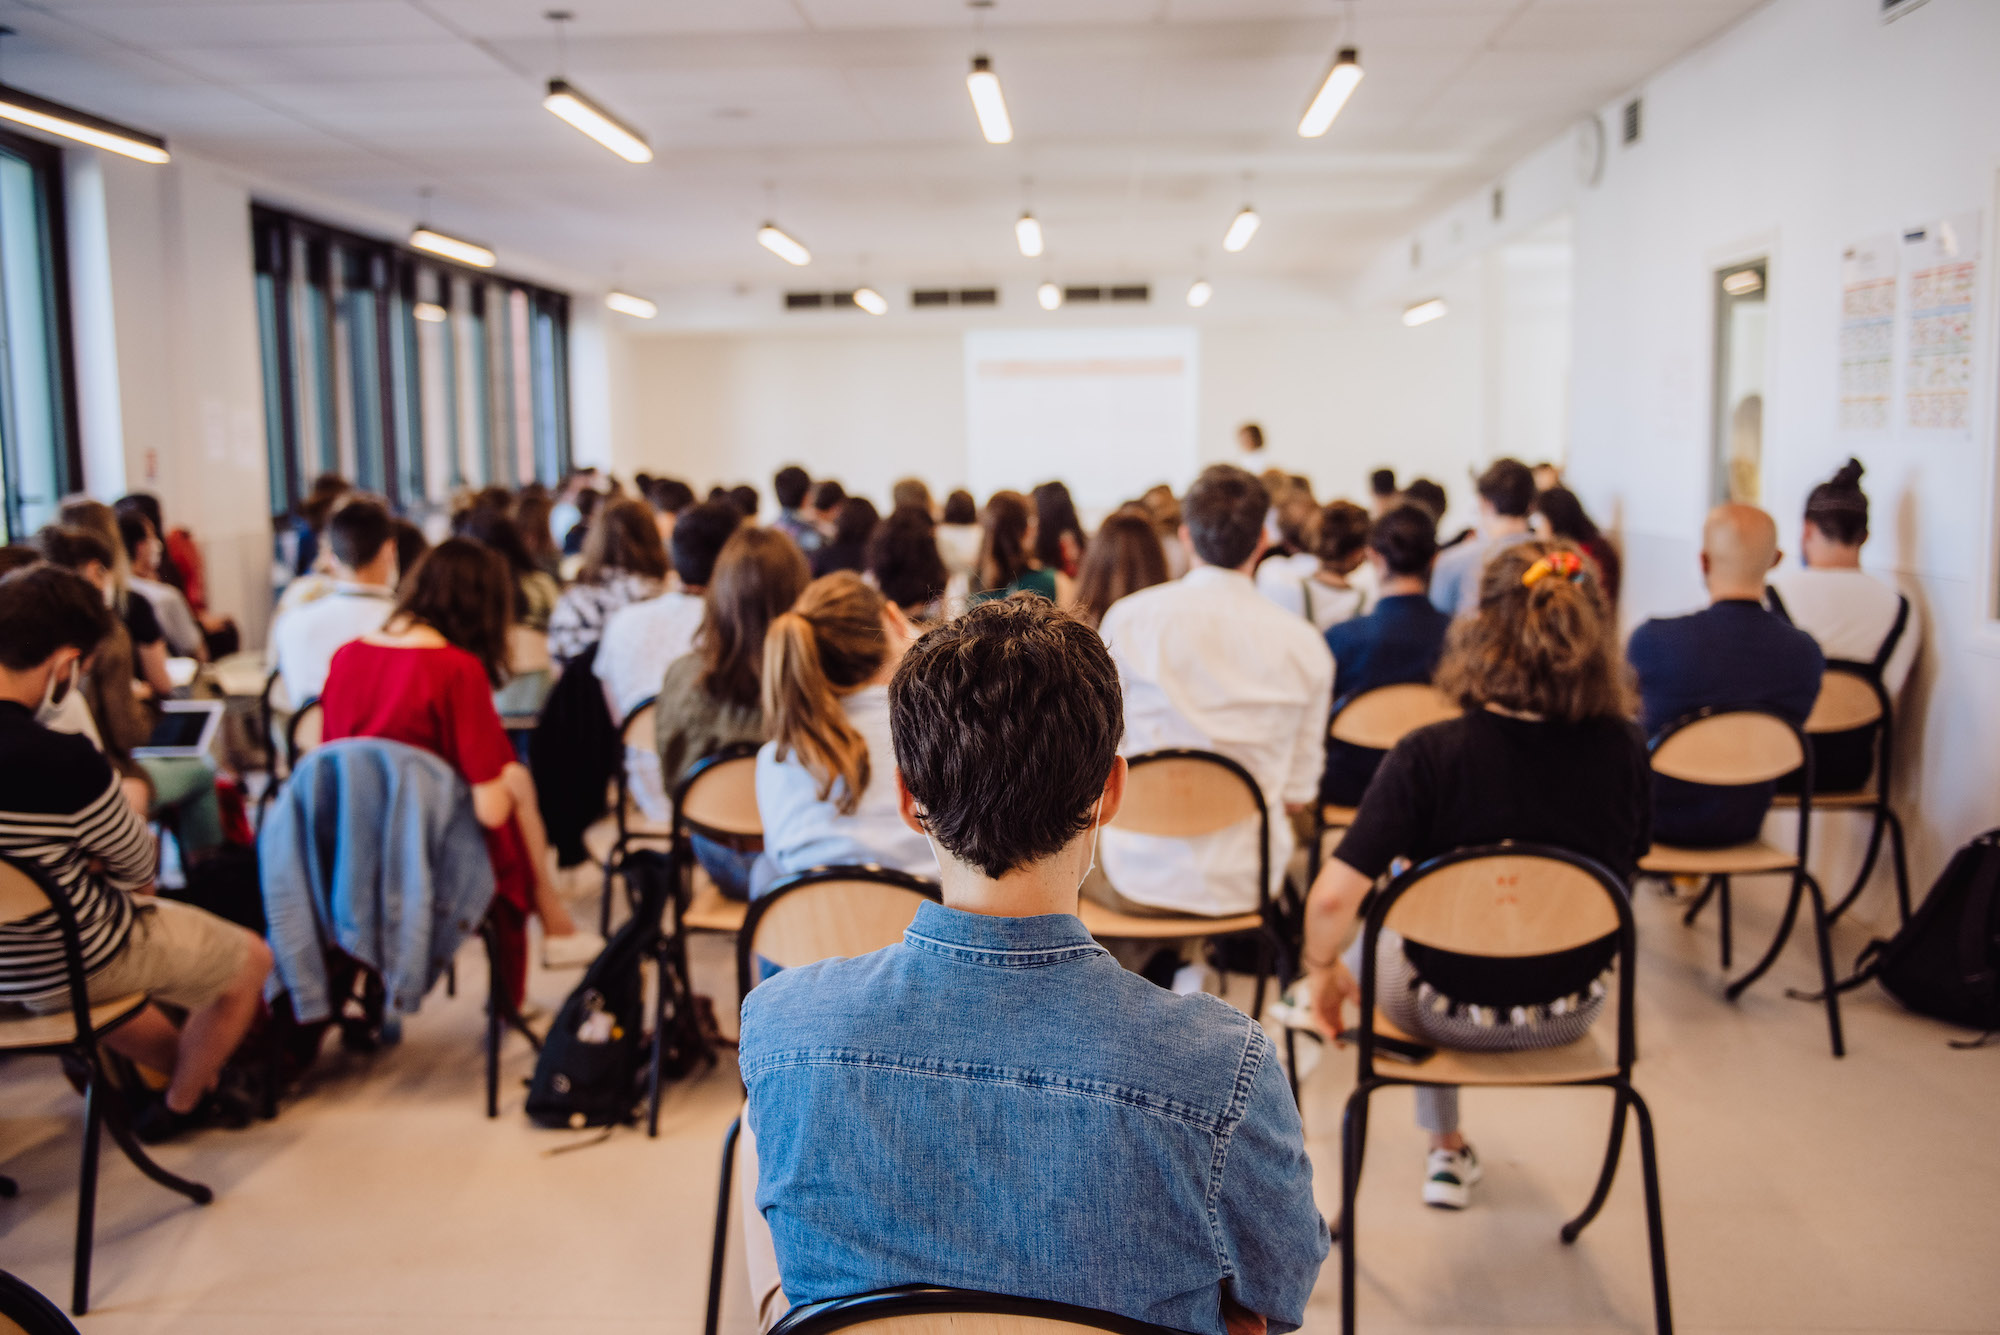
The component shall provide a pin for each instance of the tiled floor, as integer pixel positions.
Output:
(1802, 1194)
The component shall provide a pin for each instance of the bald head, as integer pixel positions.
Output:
(1739, 545)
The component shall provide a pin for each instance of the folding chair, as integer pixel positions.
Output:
(633, 827)
(23, 1311)
(1506, 899)
(716, 799)
(1375, 720)
(27, 891)
(1728, 748)
(1851, 697)
(305, 731)
(921, 1309)
(825, 913)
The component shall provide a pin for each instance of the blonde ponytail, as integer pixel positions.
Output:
(827, 645)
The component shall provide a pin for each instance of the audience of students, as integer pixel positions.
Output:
(305, 637)
(532, 517)
(310, 521)
(958, 536)
(143, 553)
(623, 563)
(827, 498)
(588, 501)
(149, 640)
(904, 562)
(1319, 583)
(791, 486)
(1123, 558)
(536, 592)
(1007, 561)
(641, 638)
(911, 493)
(1382, 493)
(1506, 493)
(1559, 515)
(846, 547)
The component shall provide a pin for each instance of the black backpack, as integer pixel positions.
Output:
(1945, 962)
(593, 1066)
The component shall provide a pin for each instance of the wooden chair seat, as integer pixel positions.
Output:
(1333, 817)
(1859, 799)
(1103, 922)
(1735, 860)
(710, 911)
(50, 1031)
(1585, 1059)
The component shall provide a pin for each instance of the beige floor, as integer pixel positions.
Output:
(1801, 1193)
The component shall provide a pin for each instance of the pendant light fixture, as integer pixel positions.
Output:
(1424, 312)
(428, 239)
(1241, 228)
(1342, 78)
(988, 103)
(430, 312)
(771, 238)
(1199, 292)
(868, 299)
(572, 105)
(1049, 295)
(39, 113)
(1028, 233)
(626, 304)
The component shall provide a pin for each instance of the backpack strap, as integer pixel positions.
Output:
(1895, 637)
(1977, 966)
(1777, 605)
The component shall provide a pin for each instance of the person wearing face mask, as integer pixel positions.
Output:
(1037, 1120)
(61, 806)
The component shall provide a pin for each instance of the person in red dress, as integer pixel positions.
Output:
(426, 679)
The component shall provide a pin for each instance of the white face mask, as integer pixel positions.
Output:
(51, 707)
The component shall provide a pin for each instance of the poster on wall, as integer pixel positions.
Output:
(1940, 268)
(1867, 333)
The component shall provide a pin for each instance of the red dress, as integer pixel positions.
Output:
(440, 700)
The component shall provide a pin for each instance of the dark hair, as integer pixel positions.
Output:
(909, 491)
(1003, 547)
(669, 495)
(1055, 515)
(1006, 724)
(500, 535)
(1341, 534)
(828, 495)
(1125, 558)
(72, 547)
(357, 530)
(823, 648)
(133, 530)
(531, 525)
(856, 522)
(1382, 482)
(326, 489)
(1430, 496)
(1256, 434)
(411, 544)
(44, 608)
(759, 574)
(903, 557)
(147, 504)
(1838, 507)
(1508, 485)
(623, 537)
(744, 497)
(1546, 647)
(1406, 538)
(17, 556)
(1224, 514)
(960, 508)
(1566, 516)
(699, 535)
(464, 592)
(791, 485)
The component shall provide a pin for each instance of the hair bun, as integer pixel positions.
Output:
(1849, 474)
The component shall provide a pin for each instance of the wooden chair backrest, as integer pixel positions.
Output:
(1730, 749)
(528, 651)
(1380, 718)
(20, 896)
(638, 729)
(834, 919)
(1506, 905)
(1182, 796)
(308, 729)
(1847, 700)
(724, 796)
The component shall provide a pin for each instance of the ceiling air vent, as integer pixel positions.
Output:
(962, 296)
(979, 296)
(820, 301)
(1073, 295)
(1631, 120)
(1132, 292)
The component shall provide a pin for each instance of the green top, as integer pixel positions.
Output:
(689, 724)
(1031, 581)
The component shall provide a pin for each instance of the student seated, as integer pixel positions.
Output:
(62, 806)
(1733, 655)
(1059, 541)
(825, 793)
(1398, 642)
(1559, 515)
(1545, 752)
(304, 638)
(846, 546)
(791, 486)
(623, 563)
(1319, 583)
(1856, 617)
(904, 562)
(1031, 1119)
(1506, 493)
(1208, 662)
(958, 535)
(641, 639)
(1124, 558)
(713, 696)
(1007, 562)
(144, 552)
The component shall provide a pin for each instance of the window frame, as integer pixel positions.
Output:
(45, 160)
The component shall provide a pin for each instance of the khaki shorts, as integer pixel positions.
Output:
(176, 953)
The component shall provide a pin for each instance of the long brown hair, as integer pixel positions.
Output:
(464, 592)
(1125, 558)
(1003, 549)
(1542, 640)
(100, 519)
(826, 646)
(758, 574)
(623, 537)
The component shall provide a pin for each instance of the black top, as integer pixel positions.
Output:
(1486, 777)
(835, 556)
(141, 622)
(1398, 642)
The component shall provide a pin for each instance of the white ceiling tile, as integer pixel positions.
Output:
(272, 23)
(595, 19)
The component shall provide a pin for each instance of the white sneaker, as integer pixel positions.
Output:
(1192, 978)
(1448, 1178)
(572, 951)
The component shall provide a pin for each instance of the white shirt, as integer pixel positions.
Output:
(801, 831)
(306, 636)
(1850, 612)
(1289, 582)
(1207, 662)
(176, 618)
(959, 544)
(639, 641)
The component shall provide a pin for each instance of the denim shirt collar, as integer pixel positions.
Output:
(1008, 943)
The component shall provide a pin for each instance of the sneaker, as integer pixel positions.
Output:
(1192, 978)
(572, 951)
(1448, 1178)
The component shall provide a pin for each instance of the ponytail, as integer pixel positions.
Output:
(826, 646)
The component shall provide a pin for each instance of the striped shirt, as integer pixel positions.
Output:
(61, 807)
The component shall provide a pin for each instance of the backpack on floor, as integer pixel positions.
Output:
(1945, 962)
(593, 1065)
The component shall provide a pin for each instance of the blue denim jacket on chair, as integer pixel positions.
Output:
(995, 1104)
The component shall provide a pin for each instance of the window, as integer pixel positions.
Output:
(1737, 471)
(40, 456)
(411, 377)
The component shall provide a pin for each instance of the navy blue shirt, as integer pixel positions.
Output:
(1400, 641)
(1733, 655)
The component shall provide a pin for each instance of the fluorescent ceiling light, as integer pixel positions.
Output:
(1424, 312)
(987, 102)
(868, 299)
(1200, 292)
(1029, 233)
(38, 113)
(626, 304)
(1341, 80)
(430, 312)
(573, 106)
(1241, 229)
(1049, 295)
(784, 247)
(1743, 282)
(437, 243)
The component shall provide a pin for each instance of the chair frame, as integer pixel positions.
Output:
(1884, 816)
(103, 1106)
(1320, 827)
(836, 1314)
(614, 857)
(292, 731)
(29, 1309)
(1803, 881)
(1354, 1119)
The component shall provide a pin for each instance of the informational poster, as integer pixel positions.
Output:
(1867, 333)
(1940, 275)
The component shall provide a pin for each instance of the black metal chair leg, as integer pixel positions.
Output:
(1827, 980)
(1354, 1146)
(1898, 861)
(719, 1253)
(1778, 940)
(1867, 866)
(604, 905)
(120, 1127)
(662, 964)
(9, 1188)
(1656, 1237)
(1700, 900)
(1726, 908)
(86, 1191)
(1574, 1228)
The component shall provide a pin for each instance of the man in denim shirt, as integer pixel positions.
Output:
(995, 1104)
